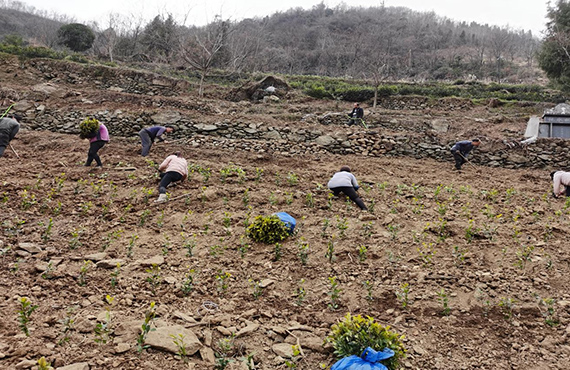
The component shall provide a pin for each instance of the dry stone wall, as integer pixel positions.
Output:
(262, 138)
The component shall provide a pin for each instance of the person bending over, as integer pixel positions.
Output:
(173, 168)
(345, 182)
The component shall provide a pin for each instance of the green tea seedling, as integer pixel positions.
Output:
(115, 275)
(25, 313)
(441, 208)
(227, 221)
(160, 220)
(326, 223)
(402, 295)
(367, 230)
(188, 282)
(295, 359)
(103, 329)
(426, 253)
(248, 361)
(82, 278)
(303, 253)
(371, 206)
(86, 207)
(309, 200)
(470, 231)
(110, 238)
(277, 178)
(301, 293)
(258, 174)
(458, 255)
(225, 346)
(288, 198)
(278, 251)
(393, 230)
(28, 199)
(442, 232)
(506, 306)
(329, 255)
(43, 364)
(523, 256)
(550, 315)
(143, 217)
(74, 242)
(188, 243)
(46, 233)
(272, 199)
(362, 250)
(243, 246)
(166, 245)
(131, 245)
(223, 280)
(154, 279)
(245, 197)
(257, 289)
(444, 301)
(342, 226)
(292, 179)
(334, 293)
(369, 286)
(330, 198)
(179, 342)
(146, 328)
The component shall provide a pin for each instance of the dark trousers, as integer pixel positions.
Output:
(459, 160)
(146, 142)
(351, 193)
(6, 136)
(166, 179)
(2, 149)
(92, 154)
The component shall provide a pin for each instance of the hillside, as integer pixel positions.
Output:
(487, 241)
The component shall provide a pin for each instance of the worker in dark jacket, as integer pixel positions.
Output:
(9, 127)
(356, 115)
(461, 150)
(149, 134)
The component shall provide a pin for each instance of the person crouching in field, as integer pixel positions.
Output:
(173, 168)
(461, 150)
(9, 127)
(345, 182)
(150, 134)
(560, 183)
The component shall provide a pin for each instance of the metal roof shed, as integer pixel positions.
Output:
(555, 122)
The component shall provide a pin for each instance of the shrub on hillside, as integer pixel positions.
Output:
(267, 229)
(353, 334)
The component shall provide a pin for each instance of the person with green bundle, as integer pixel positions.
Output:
(98, 136)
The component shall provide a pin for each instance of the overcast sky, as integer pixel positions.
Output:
(518, 14)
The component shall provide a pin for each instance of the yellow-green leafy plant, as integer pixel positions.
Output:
(43, 364)
(88, 128)
(353, 334)
(25, 313)
(267, 229)
(146, 327)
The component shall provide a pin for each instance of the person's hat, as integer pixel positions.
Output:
(552, 175)
(345, 169)
(16, 116)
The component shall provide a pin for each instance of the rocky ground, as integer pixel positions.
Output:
(482, 253)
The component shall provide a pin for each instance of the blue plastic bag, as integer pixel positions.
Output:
(368, 360)
(288, 220)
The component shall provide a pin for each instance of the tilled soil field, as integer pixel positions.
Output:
(471, 267)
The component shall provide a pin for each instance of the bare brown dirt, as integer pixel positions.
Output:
(492, 242)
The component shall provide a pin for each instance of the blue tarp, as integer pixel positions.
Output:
(368, 360)
(288, 220)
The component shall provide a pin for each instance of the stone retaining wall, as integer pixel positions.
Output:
(551, 153)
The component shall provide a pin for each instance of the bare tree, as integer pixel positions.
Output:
(203, 48)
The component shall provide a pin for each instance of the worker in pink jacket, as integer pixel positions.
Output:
(96, 142)
(561, 183)
(173, 168)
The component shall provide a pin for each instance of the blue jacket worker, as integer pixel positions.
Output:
(345, 182)
(149, 134)
(461, 150)
(9, 127)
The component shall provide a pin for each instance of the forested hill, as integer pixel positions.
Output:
(376, 43)
(394, 42)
